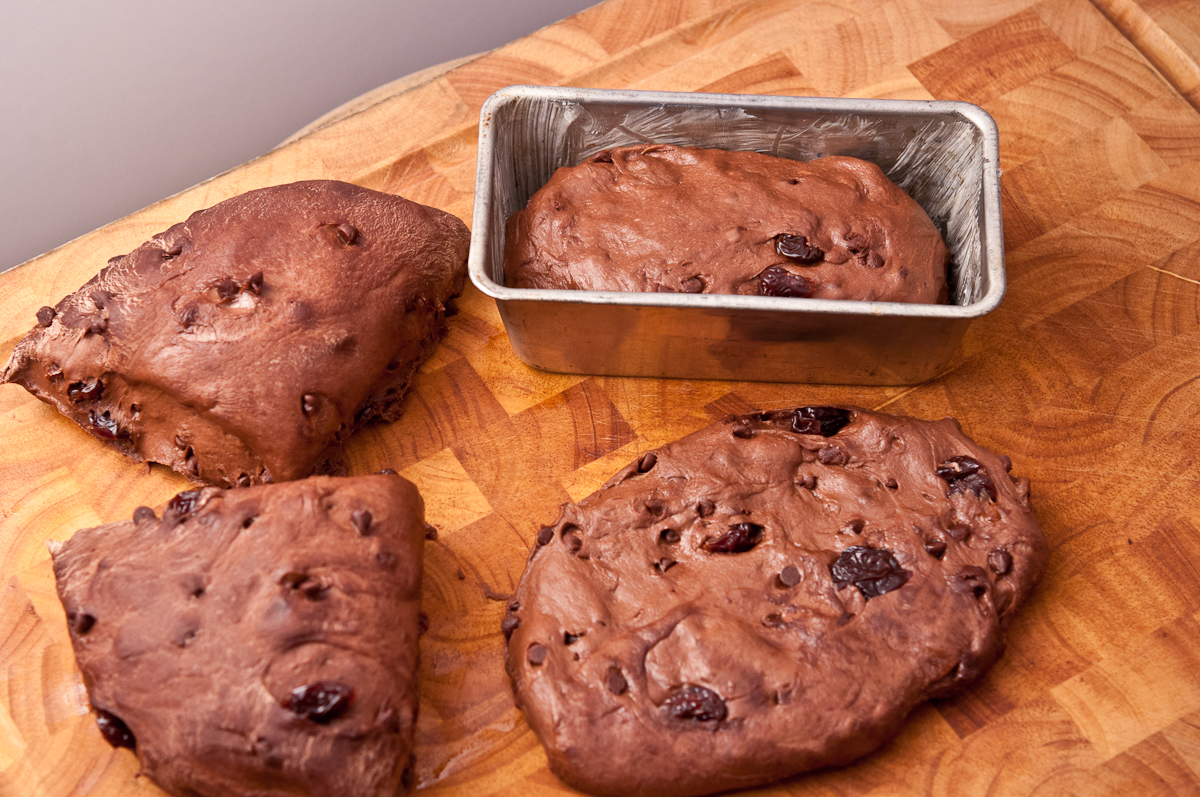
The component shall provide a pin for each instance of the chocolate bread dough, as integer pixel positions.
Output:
(243, 345)
(769, 595)
(661, 218)
(259, 641)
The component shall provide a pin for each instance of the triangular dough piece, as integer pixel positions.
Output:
(243, 345)
(260, 641)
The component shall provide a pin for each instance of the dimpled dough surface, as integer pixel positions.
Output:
(768, 595)
(260, 641)
(661, 218)
(243, 345)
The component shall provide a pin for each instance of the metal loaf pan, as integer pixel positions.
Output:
(944, 154)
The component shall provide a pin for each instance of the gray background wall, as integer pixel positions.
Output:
(110, 106)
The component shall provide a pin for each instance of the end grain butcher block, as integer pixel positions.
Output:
(1088, 376)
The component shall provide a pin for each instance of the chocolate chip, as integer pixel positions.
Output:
(514, 606)
(114, 731)
(321, 701)
(603, 156)
(388, 472)
(361, 520)
(345, 232)
(255, 284)
(460, 575)
(1000, 561)
(743, 432)
(854, 526)
(789, 576)
(545, 535)
(615, 681)
(571, 639)
(450, 308)
(693, 702)
(422, 623)
(874, 259)
(45, 316)
(175, 251)
(825, 421)
(654, 506)
(309, 403)
(98, 326)
(936, 548)
(809, 482)
(84, 391)
(740, 538)
(892, 484)
(966, 473)
(857, 242)
(647, 462)
(243, 480)
(774, 621)
(537, 654)
(958, 532)
(664, 564)
(797, 248)
(778, 281)
(183, 504)
(311, 588)
(100, 298)
(832, 455)
(668, 536)
(104, 426)
(874, 571)
(143, 513)
(1006, 462)
(431, 532)
(509, 624)
(694, 284)
(80, 623)
(705, 508)
(571, 539)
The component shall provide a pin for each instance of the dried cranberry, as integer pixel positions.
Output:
(740, 538)
(104, 426)
(873, 570)
(510, 624)
(693, 702)
(83, 391)
(966, 473)
(227, 289)
(797, 248)
(1000, 561)
(361, 520)
(183, 504)
(45, 316)
(321, 701)
(255, 284)
(114, 731)
(825, 421)
(615, 681)
(80, 622)
(777, 281)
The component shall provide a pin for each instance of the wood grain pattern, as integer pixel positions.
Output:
(1088, 376)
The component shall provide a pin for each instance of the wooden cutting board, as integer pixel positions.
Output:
(1088, 376)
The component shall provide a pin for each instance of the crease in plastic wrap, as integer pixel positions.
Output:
(936, 160)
